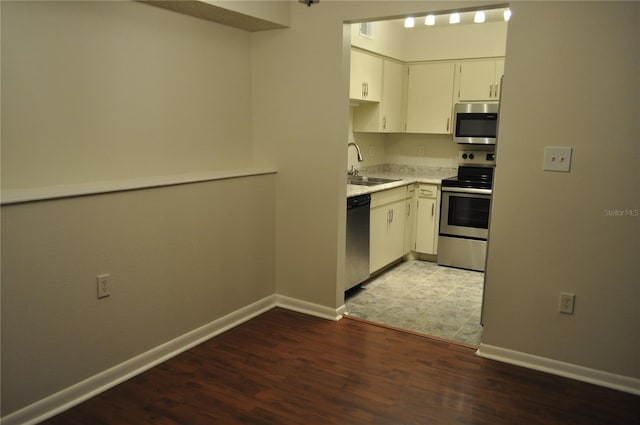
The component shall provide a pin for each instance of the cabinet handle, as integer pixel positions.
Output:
(384, 123)
(495, 94)
(366, 85)
(433, 207)
(363, 92)
(490, 90)
(391, 216)
(409, 211)
(448, 119)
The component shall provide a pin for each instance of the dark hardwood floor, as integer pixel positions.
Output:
(288, 368)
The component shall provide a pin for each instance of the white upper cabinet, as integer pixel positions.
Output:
(392, 97)
(366, 77)
(479, 80)
(386, 116)
(444, 68)
(430, 97)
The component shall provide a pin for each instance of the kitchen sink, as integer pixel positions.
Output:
(368, 181)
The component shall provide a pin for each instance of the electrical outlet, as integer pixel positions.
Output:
(567, 302)
(557, 159)
(104, 285)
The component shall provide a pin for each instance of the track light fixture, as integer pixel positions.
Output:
(479, 17)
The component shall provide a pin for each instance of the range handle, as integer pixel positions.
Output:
(467, 190)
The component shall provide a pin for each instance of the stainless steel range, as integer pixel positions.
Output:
(464, 214)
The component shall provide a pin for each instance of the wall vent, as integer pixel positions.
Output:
(366, 29)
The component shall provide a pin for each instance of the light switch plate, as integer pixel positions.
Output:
(557, 159)
(104, 285)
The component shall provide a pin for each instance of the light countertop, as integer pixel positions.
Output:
(405, 179)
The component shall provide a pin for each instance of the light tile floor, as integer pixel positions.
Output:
(423, 297)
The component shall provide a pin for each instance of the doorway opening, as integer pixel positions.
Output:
(403, 128)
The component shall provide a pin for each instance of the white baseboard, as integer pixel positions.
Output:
(567, 370)
(76, 394)
(84, 390)
(311, 309)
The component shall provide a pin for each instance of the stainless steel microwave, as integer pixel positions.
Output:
(475, 123)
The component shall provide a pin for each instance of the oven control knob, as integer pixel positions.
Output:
(470, 156)
(464, 156)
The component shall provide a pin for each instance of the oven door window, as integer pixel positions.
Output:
(468, 212)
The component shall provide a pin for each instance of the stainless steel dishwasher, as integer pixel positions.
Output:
(357, 250)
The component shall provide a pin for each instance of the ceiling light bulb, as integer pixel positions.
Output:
(408, 22)
(430, 20)
(507, 14)
(479, 17)
(454, 18)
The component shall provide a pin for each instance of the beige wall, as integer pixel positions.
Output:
(388, 39)
(177, 257)
(123, 89)
(115, 91)
(550, 231)
(456, 42)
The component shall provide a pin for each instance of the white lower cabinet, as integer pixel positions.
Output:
(402, 220)
(427, 219)
(387, 231)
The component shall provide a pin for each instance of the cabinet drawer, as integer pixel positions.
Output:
(388, 196)
(428, 190)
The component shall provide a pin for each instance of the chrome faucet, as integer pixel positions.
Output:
(353, 172)
(360, 159)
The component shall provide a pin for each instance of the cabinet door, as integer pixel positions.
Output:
(365, 81)
(426, 228)
(386, 237)
(385, 116)
(391, 103)
(477, 80)
(410, 224)
(498, 77)
(430, 98)
(395, 241)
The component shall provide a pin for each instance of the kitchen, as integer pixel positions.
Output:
(400, 149)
